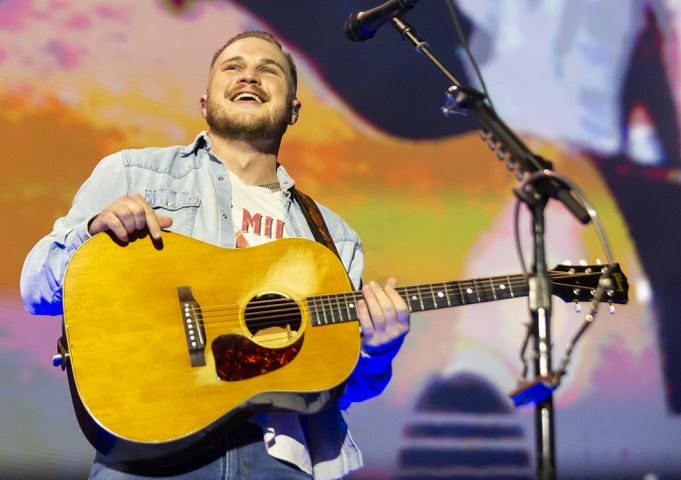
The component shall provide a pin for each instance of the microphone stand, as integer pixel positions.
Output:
(535, 194)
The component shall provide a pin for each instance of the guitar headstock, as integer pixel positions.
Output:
(578, 283)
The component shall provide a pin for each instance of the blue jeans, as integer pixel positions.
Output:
(243, 457)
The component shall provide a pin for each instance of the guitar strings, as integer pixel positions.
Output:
(408, 290)
(261, 304)
(264, 321)
(512, 281)
(261, 321)
(285, 309)
(274, 316)
(357, 295)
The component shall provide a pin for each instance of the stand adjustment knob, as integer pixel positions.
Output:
(60, 360)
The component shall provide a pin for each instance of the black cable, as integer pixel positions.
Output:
(464, 43)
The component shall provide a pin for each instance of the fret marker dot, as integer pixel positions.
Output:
(440, 294)
(414, 297)
(502, 286)
(351, 305)
(469, 290)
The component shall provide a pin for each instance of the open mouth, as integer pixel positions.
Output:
(247, 97)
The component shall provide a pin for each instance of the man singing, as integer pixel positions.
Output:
(227, 188)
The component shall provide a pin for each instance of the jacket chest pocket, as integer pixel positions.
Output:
(180, 206)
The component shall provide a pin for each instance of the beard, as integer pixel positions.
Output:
(246, 126)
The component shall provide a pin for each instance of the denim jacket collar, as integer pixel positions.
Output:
(202, 141)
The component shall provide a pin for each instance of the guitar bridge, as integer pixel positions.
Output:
(192, 321)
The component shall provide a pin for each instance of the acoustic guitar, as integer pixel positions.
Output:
(172, 343)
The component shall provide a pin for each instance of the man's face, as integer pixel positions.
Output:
(250, 92)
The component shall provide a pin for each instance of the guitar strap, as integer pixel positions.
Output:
(315, 220)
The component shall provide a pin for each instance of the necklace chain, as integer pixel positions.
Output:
(271, 186)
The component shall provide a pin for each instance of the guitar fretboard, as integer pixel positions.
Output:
(342, 307)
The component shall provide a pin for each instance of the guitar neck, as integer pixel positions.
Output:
(341, 307)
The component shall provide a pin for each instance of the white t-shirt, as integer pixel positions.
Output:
(257, 212)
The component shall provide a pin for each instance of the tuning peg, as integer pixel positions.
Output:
(483, 134)
(519, 174)
(583, 263)
(567, 263)
(578, 307)
(510, 164)
(611, 308)
(501, 154)
(492, 143)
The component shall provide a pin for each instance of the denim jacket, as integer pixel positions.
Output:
(190, 185)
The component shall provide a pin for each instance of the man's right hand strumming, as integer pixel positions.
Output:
(128, 214)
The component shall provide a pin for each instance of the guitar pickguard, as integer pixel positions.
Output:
(239, 358)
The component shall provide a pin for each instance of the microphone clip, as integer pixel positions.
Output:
(459, 100)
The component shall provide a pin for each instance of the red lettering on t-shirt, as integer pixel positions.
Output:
(280, 229)
(253, 224)
(251, 220)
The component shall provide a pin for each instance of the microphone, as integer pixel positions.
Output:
(362, 26)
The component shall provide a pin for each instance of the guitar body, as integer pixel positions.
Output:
(140, 389)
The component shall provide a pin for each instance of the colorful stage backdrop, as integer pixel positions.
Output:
(593, 85)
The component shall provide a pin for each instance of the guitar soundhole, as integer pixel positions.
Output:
(272, 318)
(273, 321)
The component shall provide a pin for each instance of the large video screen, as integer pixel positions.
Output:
(593, 86)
